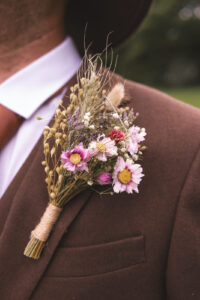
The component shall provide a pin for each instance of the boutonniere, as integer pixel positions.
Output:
(93, 142)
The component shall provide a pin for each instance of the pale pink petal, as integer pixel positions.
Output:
(84, 167)
(121, 163)
(117, 187)
(129, 189)
(101, 156)
(131, 146)
(70, 167)
(123, 187)
(64, 156)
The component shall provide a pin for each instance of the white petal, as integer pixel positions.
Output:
(117, 187)
(101, 156)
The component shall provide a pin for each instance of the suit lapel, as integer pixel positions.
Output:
(20, 210)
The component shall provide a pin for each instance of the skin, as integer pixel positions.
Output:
(29, 29)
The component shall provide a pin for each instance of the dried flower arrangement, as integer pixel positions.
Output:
(92, 142)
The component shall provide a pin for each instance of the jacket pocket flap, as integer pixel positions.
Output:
(97, 259)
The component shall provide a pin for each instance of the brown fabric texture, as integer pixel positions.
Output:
(142, 246)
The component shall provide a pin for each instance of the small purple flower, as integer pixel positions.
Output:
(76, 159)
(104, 178)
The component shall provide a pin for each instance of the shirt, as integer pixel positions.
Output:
(25, 93)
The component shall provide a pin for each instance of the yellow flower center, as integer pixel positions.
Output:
(101, 147)
(124, 176)
(75, 158)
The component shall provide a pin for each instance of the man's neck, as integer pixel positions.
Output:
(15, 59)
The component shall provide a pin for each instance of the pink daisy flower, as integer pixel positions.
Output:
(102, 148)
(135, 136)
(76, 159)
(126, 176)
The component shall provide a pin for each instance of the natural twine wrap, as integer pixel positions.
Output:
(42, 231)
(49, 218)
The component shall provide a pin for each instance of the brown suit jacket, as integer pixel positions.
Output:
(142, 246)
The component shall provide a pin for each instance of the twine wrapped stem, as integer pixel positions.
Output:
(42, 231)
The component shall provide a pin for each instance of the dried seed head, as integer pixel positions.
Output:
(143, 148)
(58, 134)
(60, 178)
(53, 130)
(47, 180)
(58, 170)
(58, 111)
(45, 133)
(58, 141)
(49, 135)
(46, 169)
(53, 195)
(64, 112)
(71, 96)
(135, 157)
(76, 87)
(74, 99)
(46, 151)
(69, 109)
(83, 80)
(53, 150)
(46, 146)
(80, 92)
(50, 173)
(57, 125)
(62, 125)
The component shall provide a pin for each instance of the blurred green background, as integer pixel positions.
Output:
(165, 51)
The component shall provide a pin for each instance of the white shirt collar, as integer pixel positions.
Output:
(28, 89)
